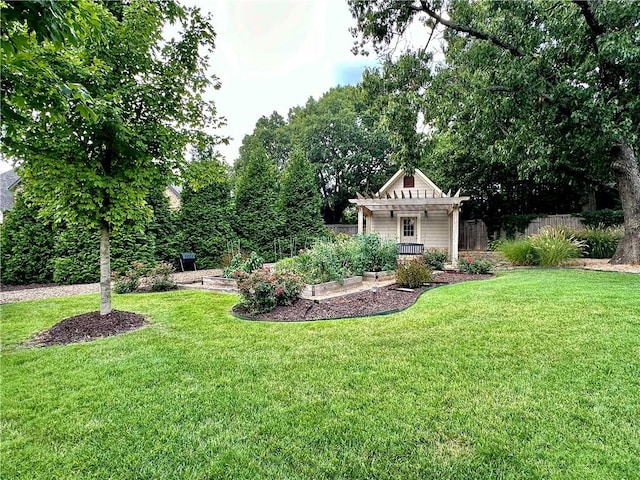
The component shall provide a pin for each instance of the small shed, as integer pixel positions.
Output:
(412, 210)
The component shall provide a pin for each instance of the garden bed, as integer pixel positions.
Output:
(364, 303)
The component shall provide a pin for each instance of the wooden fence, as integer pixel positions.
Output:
(473, 233)
(346, 229)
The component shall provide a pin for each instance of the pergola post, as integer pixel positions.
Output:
(455, 232)
(360, 220)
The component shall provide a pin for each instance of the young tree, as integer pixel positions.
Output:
(147, 105)
(299, 201)
(545, 87)
(256, 192)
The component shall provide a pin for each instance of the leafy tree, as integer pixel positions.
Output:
(257, 222)
(299, 201)
(27, 80)
(395, 94)
(27, 242)
(348, 147)
(272, 133)
(550, 90)
(147, 106)
(206, 214)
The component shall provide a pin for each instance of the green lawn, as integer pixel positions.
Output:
(534, 374)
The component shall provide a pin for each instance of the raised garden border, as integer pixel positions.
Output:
(316, 289)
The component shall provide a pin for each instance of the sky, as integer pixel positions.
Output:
(274, 55)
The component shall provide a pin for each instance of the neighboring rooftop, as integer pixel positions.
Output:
(7, 181)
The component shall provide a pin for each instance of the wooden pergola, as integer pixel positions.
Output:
(413, 200)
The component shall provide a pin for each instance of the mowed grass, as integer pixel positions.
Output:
(534, 374)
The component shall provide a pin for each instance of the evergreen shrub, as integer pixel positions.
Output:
(205, 223)
(77, 252)
(27, 245)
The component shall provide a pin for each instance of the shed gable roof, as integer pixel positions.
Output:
(420, 177)
(424, 195)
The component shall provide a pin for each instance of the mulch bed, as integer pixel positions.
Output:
(89, 326)
(364, 303)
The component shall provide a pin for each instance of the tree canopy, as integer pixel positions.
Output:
(549, 91)
(342, 137)
(147, 105)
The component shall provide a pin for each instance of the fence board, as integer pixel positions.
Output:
(473, 233)
(345, 229)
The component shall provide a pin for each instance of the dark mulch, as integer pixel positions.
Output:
(89, 326)
(368, 302)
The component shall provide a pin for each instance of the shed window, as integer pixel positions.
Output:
(409, 182)
(408, 227)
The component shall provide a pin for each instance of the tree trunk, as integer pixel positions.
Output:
(105, 271)
(627, 171)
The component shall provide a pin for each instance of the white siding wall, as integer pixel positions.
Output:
(435, 230)
(385, 226)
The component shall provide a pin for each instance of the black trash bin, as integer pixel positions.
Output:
(188, 260)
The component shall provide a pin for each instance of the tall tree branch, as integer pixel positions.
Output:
(595, 28)
(512, 49)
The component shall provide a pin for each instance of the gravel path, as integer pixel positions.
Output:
(82, 289)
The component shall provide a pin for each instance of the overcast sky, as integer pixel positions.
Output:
(275, 54)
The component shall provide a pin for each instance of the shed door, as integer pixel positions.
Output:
(409, 230)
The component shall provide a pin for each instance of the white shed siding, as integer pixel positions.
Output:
(385, 226)
(435, 230)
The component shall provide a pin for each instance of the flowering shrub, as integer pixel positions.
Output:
(262, 290)
(129, 280)
(413, 273)
(141, 277)
(476, 266)
(159, 278)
